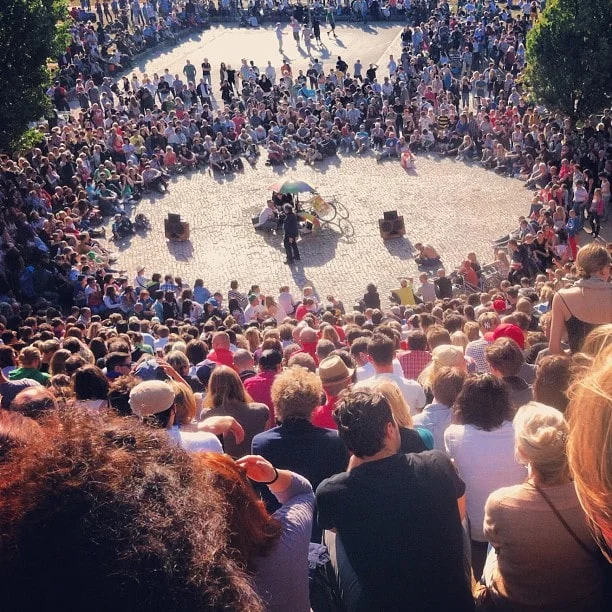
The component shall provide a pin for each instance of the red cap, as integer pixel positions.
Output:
(507, 330)
(499, 305)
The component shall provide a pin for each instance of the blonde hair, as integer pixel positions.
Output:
(253, 338)
(591, 259)
(540, 434)
(296, 392)
(598, 339)
(590, 439)
(184, 402)
(459, 339)
(445, 355)
(399, 406)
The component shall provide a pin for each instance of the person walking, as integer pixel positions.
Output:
(331, 22)
(292, 233)
(316, 29)
(279, 36)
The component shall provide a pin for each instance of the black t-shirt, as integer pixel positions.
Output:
(399, 523)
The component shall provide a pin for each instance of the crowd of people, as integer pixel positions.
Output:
(169, 454)
(180, 446)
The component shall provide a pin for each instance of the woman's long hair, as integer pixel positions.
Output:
(253, 532)
(225, 388)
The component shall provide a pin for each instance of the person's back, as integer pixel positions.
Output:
(297, 445)
(252, 417)
(538, 563)
(398, 542)
(399, 523)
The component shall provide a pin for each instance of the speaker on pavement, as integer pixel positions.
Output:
(391, 225)
(175, 229)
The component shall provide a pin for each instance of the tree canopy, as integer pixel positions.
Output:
(31, 32)
(569, 56)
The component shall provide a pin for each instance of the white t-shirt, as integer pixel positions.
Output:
(485, 461)
(367, 371)
(251, 312)
(196, 441)
(411, 390)
(286, 302)
(435, 418)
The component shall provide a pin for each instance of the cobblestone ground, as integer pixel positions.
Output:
(455, 207)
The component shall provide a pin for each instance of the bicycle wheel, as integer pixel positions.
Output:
(342, 210)
(327, 212)
(346, 227)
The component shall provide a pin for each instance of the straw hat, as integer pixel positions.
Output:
(333, 370)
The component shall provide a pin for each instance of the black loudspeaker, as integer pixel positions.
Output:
(391, 225)
(175, 229)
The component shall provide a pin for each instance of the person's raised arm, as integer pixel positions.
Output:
(262, 471)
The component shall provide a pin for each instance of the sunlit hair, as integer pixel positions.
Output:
(296, 392)
(184, 403)
(597, 340)
(590, 441)
(253, 338)
(399, 406)
(133, 519)
(443, 356)
(253, 532)
(591, 259)
(225, 388)
(540, 434)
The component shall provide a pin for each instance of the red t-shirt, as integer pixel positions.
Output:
(222, 356)
(322, 416)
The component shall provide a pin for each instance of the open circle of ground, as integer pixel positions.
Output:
(451, 205)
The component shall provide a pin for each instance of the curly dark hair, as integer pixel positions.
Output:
(130, 520)
(484, 402)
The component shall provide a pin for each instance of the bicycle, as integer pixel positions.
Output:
(327, 211)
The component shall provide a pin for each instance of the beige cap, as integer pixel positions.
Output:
(151, 397)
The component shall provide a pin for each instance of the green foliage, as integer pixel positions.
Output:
(31, 32)
(569, 56)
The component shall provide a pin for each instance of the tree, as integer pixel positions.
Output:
(569, 56)
(31, 32)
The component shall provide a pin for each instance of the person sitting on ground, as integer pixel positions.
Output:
(412, 530)
(446, 385)
(297, 443)
(427, 255)
(381, 351)
(30, 361)
(226, 396)
(505, 360)
(273, 548)
(335, 377)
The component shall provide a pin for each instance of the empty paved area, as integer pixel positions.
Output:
(455, 207)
